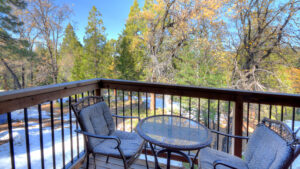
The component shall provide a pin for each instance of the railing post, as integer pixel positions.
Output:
(238, 127)
(98, 92)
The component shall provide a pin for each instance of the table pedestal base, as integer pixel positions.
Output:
(156, 154)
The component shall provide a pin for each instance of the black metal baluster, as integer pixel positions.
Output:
(172, 105)
(258, 113)
(131, 110)
(123, 110)
(208, 112)
(270, 112)
(190, 100)
(77, 135)
(116, 104)
(27, 138)
(108, 91)
(228, 126)
(180, 106)
(281, 118)
(41, 136)
(248, 109)
(218, 122)
(70, 123)
(199, 110)
(11, 141)
(52, 134)
(62, 131)
(163, 110)
(139, 105)
(146, 104)
(88, 93)
(293, 119)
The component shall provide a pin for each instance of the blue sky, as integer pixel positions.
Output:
(114, 12)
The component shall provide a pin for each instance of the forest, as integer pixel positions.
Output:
(239, 44)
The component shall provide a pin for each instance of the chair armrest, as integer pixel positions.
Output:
(229, 135)
(118, 116)
(100, 136)
(225, 163)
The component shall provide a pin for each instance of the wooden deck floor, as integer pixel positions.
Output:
(140, 163)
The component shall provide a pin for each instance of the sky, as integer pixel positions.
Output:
(114, 15)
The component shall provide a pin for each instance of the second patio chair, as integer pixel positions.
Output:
(273, 145)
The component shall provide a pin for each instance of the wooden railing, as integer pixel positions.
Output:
(230, 111)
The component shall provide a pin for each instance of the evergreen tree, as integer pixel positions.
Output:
(11, 47)
(130, 61)
(95, 41)
(70, 55)
(126, 65)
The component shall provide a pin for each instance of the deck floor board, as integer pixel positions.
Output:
(115, 163)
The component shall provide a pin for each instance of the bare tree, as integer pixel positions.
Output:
(265, 28)
(49, 20)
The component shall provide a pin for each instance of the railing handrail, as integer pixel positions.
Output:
(283, 99)
(16, 99)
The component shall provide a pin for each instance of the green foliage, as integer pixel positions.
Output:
(70, 56)
(9, 24)
(131, 49)
(94, 60)
(198, 68)
(125, 64)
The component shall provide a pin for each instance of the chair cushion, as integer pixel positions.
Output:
(96, 119)
(207, 156)
(266, 150)
(130, 144)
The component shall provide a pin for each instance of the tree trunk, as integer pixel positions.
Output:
(17, 84)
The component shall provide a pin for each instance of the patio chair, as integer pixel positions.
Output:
(273, 145)
(98, 127)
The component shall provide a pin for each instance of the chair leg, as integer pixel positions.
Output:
(107, 158)
(87, 161)
(146, 155)
(94, 155)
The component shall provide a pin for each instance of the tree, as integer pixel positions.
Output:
(169, 25)
(131, 48)
(125, 63)
(70, 55)
(11, 46)
(94, 45)
(49, 20)
(265, 28)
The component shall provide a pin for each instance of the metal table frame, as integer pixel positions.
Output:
(168, 148)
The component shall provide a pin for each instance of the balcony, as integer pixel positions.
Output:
(37, 124)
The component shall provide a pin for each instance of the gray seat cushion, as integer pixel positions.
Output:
(130, 144)
(267, 150)
(207, 156)
(96, 119)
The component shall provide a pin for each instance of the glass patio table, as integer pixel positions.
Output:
(174, 134)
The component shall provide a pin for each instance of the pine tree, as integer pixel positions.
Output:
(130, 61)
(70, 55)
(11, 46)
(94, 58)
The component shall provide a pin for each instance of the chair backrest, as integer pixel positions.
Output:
(273, 145)
(94, 117)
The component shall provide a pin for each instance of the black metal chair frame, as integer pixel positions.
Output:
(77, 107)
(291, 137)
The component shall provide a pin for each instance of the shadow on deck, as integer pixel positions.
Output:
(140, 163)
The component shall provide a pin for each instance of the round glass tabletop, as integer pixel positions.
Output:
(174, 132)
